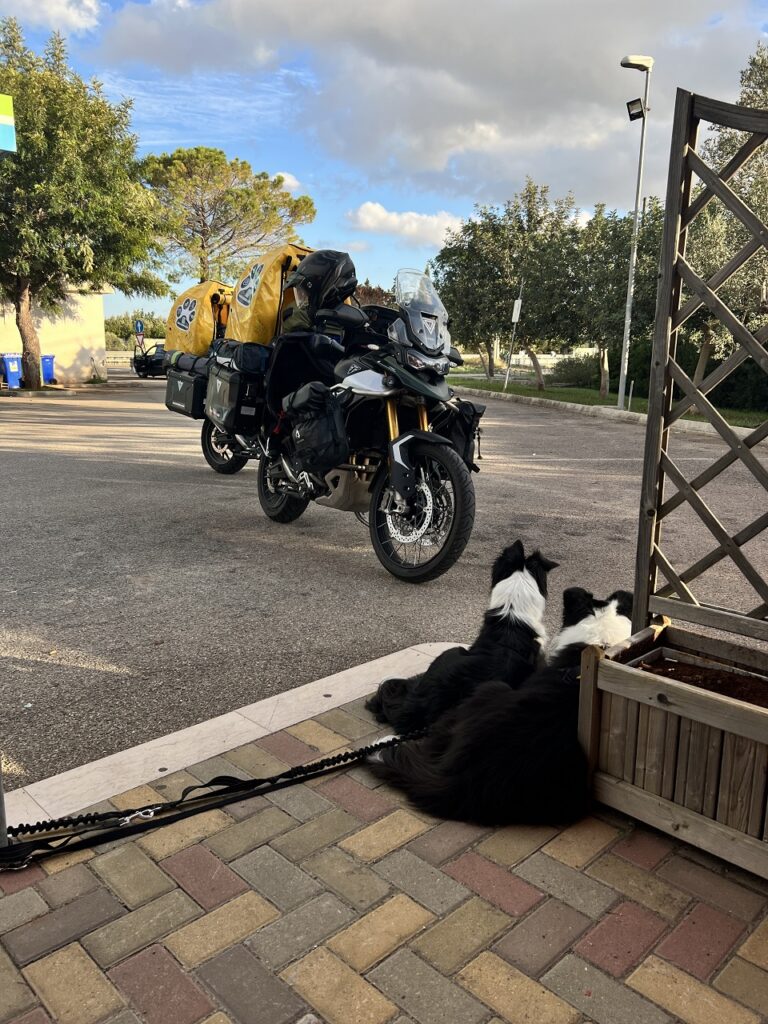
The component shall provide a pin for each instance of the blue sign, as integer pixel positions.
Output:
(138, 326)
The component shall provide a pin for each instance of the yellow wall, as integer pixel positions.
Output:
(75, 336)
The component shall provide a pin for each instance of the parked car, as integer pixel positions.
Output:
(149, 362)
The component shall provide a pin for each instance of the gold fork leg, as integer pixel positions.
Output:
(392, 421)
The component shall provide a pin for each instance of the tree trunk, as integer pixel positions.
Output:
(30, 343)
(491, 365)
(704, 354)
(484, 365)
(604, 379)
(536, 367)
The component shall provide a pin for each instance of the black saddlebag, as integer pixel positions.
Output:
(185, 393)
(248, 357)
(233, 402)
(318, 431)
(461, 425)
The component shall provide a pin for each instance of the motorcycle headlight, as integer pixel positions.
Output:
(414, 361)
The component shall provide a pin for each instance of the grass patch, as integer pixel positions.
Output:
(586, 396)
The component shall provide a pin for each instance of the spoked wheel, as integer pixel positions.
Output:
(217, 451)
(423, 544)
(279, 506)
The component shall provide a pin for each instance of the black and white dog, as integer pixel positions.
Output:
(504, 755)
(507, 648)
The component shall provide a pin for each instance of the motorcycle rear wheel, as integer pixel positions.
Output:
(218, 453)
(277, 505)
(424, 545)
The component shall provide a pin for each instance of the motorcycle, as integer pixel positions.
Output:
(354, 413)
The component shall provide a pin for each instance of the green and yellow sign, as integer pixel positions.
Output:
(7, 125)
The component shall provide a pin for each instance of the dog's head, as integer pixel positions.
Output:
(590, 620)
(513, 559)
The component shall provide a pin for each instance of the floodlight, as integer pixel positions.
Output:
(635, 109)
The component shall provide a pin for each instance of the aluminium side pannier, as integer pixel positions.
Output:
(185, 393)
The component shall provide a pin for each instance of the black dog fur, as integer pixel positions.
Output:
(506, 649)
(505, 755)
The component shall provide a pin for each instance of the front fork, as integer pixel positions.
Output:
(400, 474)
(393, 422)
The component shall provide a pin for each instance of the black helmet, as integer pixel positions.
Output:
(328, 277)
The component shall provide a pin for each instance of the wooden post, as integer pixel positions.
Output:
(589, 706)
(684, 131)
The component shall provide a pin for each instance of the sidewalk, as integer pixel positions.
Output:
(333, 901)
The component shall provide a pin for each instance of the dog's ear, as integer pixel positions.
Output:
(547, 564)
(624, 602)
(538, 566)
(578, 603)
(511, 560)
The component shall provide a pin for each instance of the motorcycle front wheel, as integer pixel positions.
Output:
(217, 451)
(425, 543)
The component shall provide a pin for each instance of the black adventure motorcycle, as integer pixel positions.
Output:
(349, 408)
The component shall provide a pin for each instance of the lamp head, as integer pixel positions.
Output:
(637, 62)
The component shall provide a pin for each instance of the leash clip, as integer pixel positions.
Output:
(141, 815)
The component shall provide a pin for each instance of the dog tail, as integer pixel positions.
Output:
(385, 704)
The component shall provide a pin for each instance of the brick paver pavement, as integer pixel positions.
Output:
(334, 902)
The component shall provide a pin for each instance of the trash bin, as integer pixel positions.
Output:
(48, 374)
(12, 368)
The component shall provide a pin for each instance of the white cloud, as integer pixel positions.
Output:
(290, 181)
(57, 15)
(170, 111)
(467, 99)
(416, 228)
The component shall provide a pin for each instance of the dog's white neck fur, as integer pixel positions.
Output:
(519, 598)
(603, 627)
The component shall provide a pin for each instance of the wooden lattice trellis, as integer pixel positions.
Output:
(675, 597)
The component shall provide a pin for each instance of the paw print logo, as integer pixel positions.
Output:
(185, 314)
(249, 284)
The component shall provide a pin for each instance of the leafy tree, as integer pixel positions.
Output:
(716, 234)
(603, 268)
(368, 294)
(461, 276)
(218, 213)
(72, 210)
(123, 324)
(482, 265)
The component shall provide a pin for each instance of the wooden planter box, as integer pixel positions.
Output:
(684, 760)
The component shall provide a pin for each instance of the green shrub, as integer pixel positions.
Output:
(578, 372)
(113, 343)
(122, 325)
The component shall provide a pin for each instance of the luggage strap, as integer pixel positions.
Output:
(93, 829)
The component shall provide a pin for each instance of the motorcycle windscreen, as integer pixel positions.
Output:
(191, 324)
(256, 302)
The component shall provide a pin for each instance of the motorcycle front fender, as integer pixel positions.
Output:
(401, 469)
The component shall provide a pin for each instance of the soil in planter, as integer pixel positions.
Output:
(751, 689)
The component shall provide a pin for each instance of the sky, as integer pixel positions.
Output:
(398, 116)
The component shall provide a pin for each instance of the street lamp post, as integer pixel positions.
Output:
(637, 109)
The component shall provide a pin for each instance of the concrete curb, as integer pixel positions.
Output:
(74, 392)
(598, 411)
(91, 783)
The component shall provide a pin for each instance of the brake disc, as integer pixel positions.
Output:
(406, 531)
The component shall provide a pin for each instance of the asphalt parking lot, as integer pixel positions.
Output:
(141, 593)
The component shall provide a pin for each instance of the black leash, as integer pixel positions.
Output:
(85, 830)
